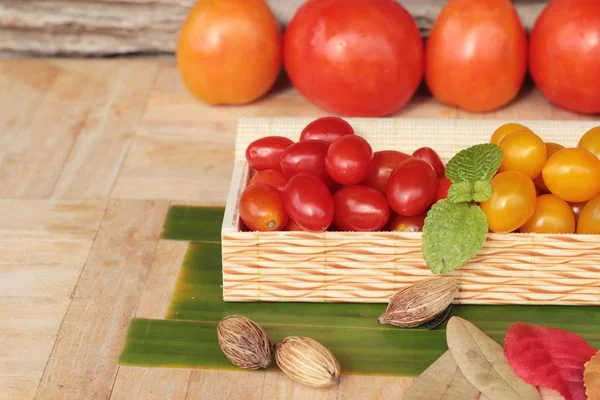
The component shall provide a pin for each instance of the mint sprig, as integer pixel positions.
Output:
(477, 163)
(452, 235)
(455, 229)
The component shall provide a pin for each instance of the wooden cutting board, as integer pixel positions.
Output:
(92, 153)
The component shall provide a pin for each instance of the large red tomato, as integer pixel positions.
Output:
(354, 57)
(564, 54)
(476, 54)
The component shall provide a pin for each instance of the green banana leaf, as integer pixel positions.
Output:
(351, 331)
(193, 223)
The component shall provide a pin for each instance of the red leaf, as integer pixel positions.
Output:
(549, 357)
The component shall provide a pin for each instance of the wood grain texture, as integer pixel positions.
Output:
(227, 385)
(83, 362)
(51, 216)
(33, 156)
(42, 315)
(134, 26)
(372, 387)
(44, 245)
(177, 163)
(18, 387)
(160, 284)
(95, 159)
(134, 383)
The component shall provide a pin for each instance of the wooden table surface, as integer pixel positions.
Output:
(92, 153)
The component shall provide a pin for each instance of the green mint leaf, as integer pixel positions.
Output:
(461, 192)
(452, 235)
(483, 191)
(476, 163)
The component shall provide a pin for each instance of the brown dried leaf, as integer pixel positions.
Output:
(442, 380)
(591, 377)
(420, 303)
(482, 362)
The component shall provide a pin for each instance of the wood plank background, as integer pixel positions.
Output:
(99, 27)
(92, 153)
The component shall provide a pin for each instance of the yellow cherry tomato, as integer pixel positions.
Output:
(524, 152)
(577, 207)
(589, 219)
(512, 202)
(573, 175)
(551, 148)
(506, 129)
(590, 141)
(551, 215)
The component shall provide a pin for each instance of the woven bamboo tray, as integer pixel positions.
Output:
(370, 267)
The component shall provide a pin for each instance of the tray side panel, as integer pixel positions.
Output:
(527, 269)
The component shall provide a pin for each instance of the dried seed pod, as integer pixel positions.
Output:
(420, 303)
(307, 361)
(244, 342)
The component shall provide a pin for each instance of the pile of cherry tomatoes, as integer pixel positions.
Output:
(332, 179)
(544, 187)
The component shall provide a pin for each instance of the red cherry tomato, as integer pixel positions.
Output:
(265, 153)
(429, 155)
(412, 187)
(564, 54)
(271, 177)
(307, 156)
(360, 208)
(308, 202)
(354, 57)
(408, 224)
(262, 208)
(349, 159)
(443, 186)
(292, 226)
(327, 129)
(382, 166)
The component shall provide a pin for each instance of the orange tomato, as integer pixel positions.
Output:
(229, 51)
(507, 129)
(573, 175)
(589, 219)
(512, 202)
(476, 54)
(262, 208)
(551, 149)
(523, 151)
(590, 141)
(551, 215)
